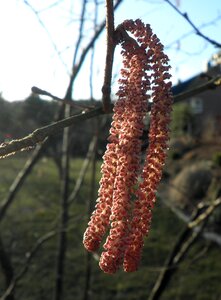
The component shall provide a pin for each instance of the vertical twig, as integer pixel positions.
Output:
(89, 210)
(19, 180)
(180, 249)
(62, 242)
(198, 32)
(7, 268)
(106, 89)
(93, 174)
(92, 51)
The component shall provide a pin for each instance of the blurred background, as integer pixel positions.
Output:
(47, 194)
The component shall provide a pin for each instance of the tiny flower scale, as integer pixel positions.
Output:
(127, 190)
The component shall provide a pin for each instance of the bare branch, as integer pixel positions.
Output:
(90, 203)
(211, 84)
(46, 30)
(208, 235)
(26, 265)
(206, 214)
(18, 181)
(39, 135)
(198, 32)
(83, 170)
(92, 51)
(65, 182)
(106, 89)
(185, 35)
(77, 67)
(181, 247)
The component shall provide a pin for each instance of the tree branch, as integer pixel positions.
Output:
(76, 68)
(181, 247)
(72, 103)
(39, 135)
(198, 32)
(211, 84)
(106, 89)
(26, 265)
(208, 235)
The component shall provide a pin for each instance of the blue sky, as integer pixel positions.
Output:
(28, 56)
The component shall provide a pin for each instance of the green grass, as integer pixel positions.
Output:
(36, 210)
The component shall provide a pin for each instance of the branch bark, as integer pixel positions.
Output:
(106, 89)
(39, 135)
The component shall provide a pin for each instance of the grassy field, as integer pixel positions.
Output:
(35, 212)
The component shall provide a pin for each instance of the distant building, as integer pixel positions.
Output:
(205, 106)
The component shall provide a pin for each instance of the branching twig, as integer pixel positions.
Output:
(206, 214)
(185, 35)
(181, 247)
(26, 265)
(65, 182)
(198, 32)
(46, 30)
(208, 235)
(40, 134)
(37, 136)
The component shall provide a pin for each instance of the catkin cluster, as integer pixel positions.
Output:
(127, 191)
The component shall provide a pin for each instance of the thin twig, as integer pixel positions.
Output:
(19, 180)
(40, 134)
(106, 89)
(76, 68)
(207, 235)
(211, 84)
(198, 32)
(46, 30)
(26, 265)
(181, 247)
(72, 103)
(80, 34)
(65, 182)
(206, 214)
(83, 171)
(92, 51)
(29, 257)
(27, 142)
(185, 35)
(90, 203)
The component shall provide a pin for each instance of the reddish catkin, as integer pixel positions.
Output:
(127, 192)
